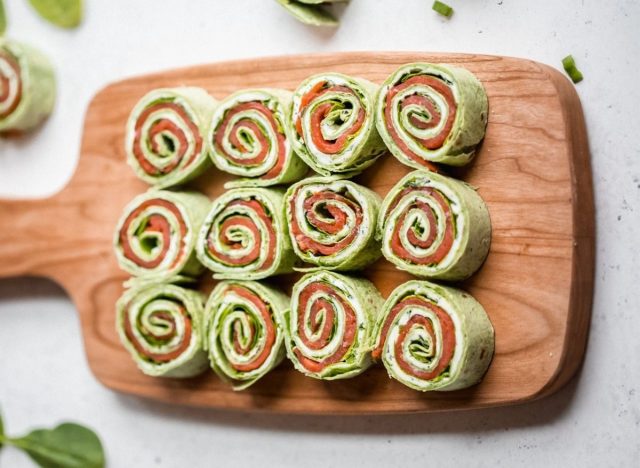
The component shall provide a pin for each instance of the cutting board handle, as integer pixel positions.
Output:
(35, 236)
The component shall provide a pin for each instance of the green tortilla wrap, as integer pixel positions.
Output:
(428, 113)
(161, 325)
(156, 235)
(434, 227)
(332, 223)
(244, 337)
(165, 135)
(332, 124)
(247, 137)
(244, 235)
(27, 86)
(330, 327)
(432, 337)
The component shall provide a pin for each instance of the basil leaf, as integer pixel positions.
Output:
(311, 14)
(68, 445)
(63, 13)
(3, 28)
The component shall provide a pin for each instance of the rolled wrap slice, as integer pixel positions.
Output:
(429, 113)
(164, 139)
(311, 12)
(432, 337)
(434, 227)
(332, 223)
(330, 327)
(332, 124)
(156, 235)
(244, 338)
(27, 87)
(245, 236)
(161, 325)
(247, 138)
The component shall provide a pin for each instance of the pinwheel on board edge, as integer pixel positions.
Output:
(433, 337)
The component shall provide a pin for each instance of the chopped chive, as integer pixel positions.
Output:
(442, 8)
(569, 65)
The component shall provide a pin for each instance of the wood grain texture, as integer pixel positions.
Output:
(532, 170)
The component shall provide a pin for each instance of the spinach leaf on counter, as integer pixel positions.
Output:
(63, 13)
(68, 445)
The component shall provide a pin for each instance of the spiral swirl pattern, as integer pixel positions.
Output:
(155, 236)
(247, 138)
(10, 84)
(161, 327)
(432, 113)
(433, 338)
(332, 223)
(244, 236)
(164, 140)
(434, 226)
(330, 324)
(27, 87)
(243, 333)
(333, 126)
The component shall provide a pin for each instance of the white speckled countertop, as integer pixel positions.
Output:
(594, 421)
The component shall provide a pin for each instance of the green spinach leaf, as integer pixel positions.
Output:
(68, 445)
(63, 13)
(3, 25)
(312, 14)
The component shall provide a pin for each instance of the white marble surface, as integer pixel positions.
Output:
(595, 421)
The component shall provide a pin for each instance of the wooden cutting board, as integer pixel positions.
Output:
(532, 170)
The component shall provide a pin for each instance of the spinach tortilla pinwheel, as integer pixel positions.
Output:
(244, 235)
(330, 327)
(243, 337)
(164, 139)
(311, 12)
(247, 137)
(332, 124)
(434, 227)
(429, 113)
(161, 325)
(156, 235)
(27, 86)
(332, 223)
(432, 337)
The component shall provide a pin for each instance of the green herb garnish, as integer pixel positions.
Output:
(63, 13)
(569, 65)
(442, 8)
(68, 445)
